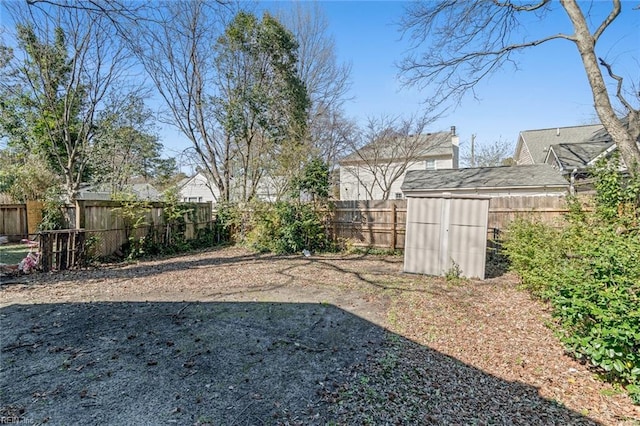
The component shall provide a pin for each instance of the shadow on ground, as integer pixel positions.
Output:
(239, 364)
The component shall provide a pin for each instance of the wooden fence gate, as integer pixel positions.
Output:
(61, 250)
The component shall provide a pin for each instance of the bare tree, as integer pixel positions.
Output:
(465, 41)
(389, 146)
(494, 154)
(176, 48)
(333, 135)
(327, 81)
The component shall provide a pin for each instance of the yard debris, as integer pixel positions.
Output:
(29, 263)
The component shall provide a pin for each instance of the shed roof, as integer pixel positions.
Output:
(529, 176)
(539, 141)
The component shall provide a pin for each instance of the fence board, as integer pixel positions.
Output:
(382, 224)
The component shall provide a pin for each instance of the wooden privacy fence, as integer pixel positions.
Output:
(104, 221)
(382, 224)
(13, 221)
(369, 223)
(107, 242)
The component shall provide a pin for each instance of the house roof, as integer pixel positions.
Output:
(529, 176)
(184, 181)
(539, 141)
(577, 155)
(418, 146)
(145, 191)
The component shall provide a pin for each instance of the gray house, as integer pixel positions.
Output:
(572, 150)
(533, 145)
(537, 179)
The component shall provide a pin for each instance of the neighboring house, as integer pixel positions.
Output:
(142, 191)
(197, 189)
(534, 145)
(571, 150)
(581, 156)
(376, 171)
(540, 179)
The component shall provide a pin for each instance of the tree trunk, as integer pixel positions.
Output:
(624, 138)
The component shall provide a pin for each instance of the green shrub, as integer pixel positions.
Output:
(286, 227)
(52, 211)
(533, 249)
(590, 273)
(597, 298)
(228, 223)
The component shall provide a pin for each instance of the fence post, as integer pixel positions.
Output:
(63, 251)
(45, 252)
(80, 219)
(394, 226)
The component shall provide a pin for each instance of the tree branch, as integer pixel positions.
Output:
(612, 16)
(531, 8)
(619, 79)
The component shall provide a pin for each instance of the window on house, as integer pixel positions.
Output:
(398, 195)
(430, 164)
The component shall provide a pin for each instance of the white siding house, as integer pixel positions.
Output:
(197, 189)
(369, 172)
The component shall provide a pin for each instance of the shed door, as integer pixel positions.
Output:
(444, 230)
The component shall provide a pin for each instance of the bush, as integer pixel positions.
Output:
(590, 273)
(596, 299)
(286, 227)
(228, 221)
(533, 249)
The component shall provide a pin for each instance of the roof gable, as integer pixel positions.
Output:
(578, 155)
(539, 141)
(197, 179)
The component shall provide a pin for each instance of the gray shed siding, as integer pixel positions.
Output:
(446, 229)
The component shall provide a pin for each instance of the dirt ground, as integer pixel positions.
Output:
(229, 337)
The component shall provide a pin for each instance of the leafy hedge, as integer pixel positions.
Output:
(286, 227)
(589, 271)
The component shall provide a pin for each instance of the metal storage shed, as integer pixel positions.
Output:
(447, 212)
(445, 231)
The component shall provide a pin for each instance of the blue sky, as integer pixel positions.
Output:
(548, 90)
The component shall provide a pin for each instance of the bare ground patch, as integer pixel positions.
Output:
(231, 337)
